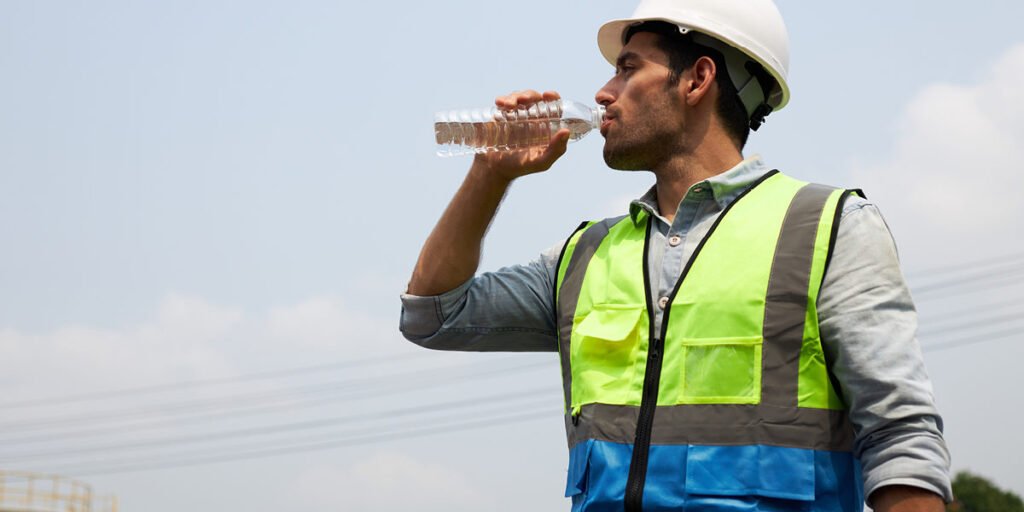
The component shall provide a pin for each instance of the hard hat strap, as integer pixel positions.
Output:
(751, 94)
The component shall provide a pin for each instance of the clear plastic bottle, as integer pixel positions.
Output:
(481, 130)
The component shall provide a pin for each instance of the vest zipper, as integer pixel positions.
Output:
(648, 399)
(644, 426)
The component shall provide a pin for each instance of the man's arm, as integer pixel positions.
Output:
(507, 310)
(904, 498)
(868, 324)
(451, 254)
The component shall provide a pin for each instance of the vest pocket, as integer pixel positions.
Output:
(605, 346)
(721, 370)
(752, 470)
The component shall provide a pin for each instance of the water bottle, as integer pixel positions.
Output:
(482, 130)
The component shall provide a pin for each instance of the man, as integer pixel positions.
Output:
(741, 340)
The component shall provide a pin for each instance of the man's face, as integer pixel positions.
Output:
(644, 120)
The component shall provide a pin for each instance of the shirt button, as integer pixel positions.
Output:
(675, 240)
(662, 302)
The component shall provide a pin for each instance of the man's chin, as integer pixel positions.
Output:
(622, 160)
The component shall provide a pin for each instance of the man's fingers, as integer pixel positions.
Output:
(506, 101)
(525, 98)
(503, 104)
(556, 147)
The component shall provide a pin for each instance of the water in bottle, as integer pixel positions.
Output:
(482, 130)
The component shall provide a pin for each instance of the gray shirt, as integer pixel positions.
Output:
(866, 317)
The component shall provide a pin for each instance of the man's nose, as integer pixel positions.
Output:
(604, 95)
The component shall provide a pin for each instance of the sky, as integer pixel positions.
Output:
(209, 210)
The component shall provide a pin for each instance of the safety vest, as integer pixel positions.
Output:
(731, 397)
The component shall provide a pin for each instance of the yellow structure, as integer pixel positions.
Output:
(23, 491)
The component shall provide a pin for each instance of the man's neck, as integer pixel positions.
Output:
(676, 176)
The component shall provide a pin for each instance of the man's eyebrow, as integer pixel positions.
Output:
(624, 56)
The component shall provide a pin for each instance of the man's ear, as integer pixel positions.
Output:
(699, 82)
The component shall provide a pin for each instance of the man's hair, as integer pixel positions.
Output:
(682, 54)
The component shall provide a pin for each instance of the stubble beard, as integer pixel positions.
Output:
(634, 152)
(647, 138)
(622, 159)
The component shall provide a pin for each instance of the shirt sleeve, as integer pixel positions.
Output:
(510, 310)
(868, 327)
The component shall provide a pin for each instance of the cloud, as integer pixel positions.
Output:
(189, 338)
(955, 170)
(179, 343)
(327, 323)
(385, 481)
(195, 319)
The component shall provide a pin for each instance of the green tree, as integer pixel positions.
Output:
(974, 493)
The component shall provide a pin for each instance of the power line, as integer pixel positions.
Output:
(981, 338)
(1004, 275)
(191, 408)
(998, 275)
(959, 267)
(363, 389)
(963, 289)
(928, 348)
(217, 381)
(147, 465)
(157, 423)
(235, 403)
(403, 411)
(503, 400)
(930, 319)
(983, 322)
(372, 434)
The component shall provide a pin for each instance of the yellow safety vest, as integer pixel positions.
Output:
(738, 358)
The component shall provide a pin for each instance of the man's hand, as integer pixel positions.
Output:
(509, 165)
(904, 498)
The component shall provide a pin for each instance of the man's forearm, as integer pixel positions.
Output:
(904, 498)
(452, 251)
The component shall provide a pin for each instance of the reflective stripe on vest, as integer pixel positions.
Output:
(742, 361)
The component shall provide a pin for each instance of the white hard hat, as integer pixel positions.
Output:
(741, 29)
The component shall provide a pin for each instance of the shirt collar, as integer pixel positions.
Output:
(725, 187)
